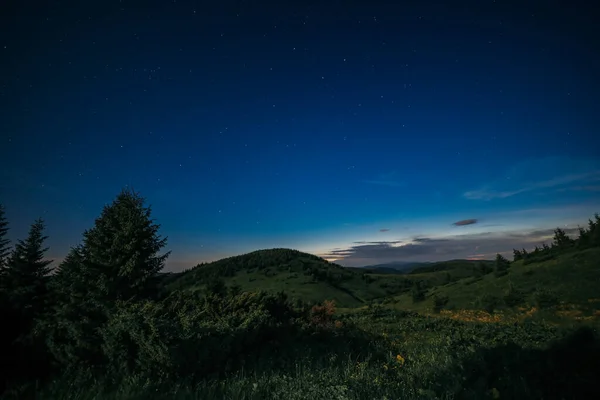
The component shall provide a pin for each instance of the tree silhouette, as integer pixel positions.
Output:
(4, 241)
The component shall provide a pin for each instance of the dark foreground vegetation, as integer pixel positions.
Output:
(106, 323)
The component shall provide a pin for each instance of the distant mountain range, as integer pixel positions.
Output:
(395, 267)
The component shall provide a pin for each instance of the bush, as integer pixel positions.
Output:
(188, 336)
(439, 302)
(545, 298)
(418, 292)
(488, 302)
(513, 296)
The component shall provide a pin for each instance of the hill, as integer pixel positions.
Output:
(395, 267)
(300, 275)
(562, 287)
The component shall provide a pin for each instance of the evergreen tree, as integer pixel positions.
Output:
(121, 250)
(418, 292)
(25, 302)
(117, 261)
(26, 272)
(517, 255)
(561, 240)
(501, 265)
(524, 254)
(4, 241)
(583, 241)
(595, 231)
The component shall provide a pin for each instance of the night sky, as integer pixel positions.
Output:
(365, 132)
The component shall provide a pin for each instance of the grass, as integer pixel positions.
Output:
(405, 356)
(573, 278)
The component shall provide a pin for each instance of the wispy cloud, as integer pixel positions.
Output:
(475, 246)
(388, 179)
(533, 175)
(465, 222)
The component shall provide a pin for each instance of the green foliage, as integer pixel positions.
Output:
(116, 262)
(513, 297)
(4, 241)
(417, 292)
(439, 302)
(488, 302)
(517, 255)
(25, 298)
(501, 265)
(545, 298)
(188, 336)
(561, 240)
(25, 276)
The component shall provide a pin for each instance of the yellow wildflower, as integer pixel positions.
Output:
(400, 359)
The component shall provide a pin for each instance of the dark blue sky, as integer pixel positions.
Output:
(360, 131)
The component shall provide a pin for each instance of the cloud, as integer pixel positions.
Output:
(474, 246)
(384, 230)
(562, 173)
(465, 222)
(379, 242)
(588, 188)
(388, 179)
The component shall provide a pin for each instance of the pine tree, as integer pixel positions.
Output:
(418, 292)
(583, 241)
(501, 265)
(121, 249)
(561, 240)
(25, 303)
(4, 241)
(26, 272)
(517, 255)
(117, 261)
(595, 231)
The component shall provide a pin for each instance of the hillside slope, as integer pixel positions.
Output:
(568, 284)
(300, 275)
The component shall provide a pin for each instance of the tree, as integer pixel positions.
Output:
(561, 241)
(583, 241)
(439, 302)
(121, 250)
(501, 265)
(26, 272)
(595, 231)
(116, 263)
(4, 241)
(25, 298)
(517, 255)
(418, 292)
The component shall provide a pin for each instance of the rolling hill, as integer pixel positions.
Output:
(300, 275)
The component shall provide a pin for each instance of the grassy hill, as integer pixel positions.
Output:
(565, 282)
(565, 287)
(300, 275)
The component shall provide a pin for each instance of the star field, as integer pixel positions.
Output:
(344, 129)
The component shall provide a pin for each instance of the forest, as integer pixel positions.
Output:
(108, 323)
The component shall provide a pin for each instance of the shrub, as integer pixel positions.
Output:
(188, 336)
(418, 292)
(488, 302)
(545, 298)
(513, 296)
(439, 302)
